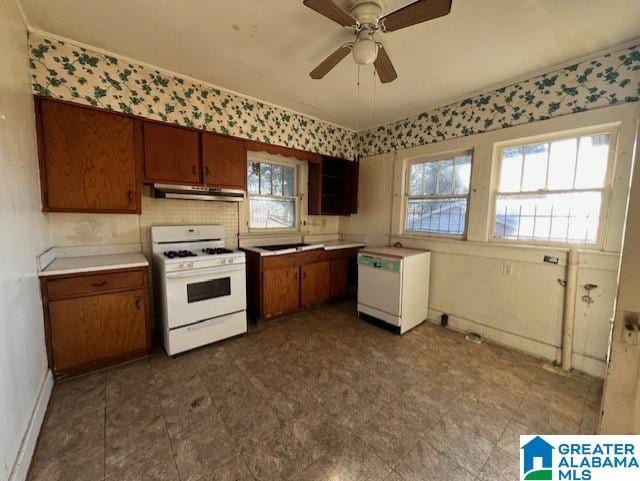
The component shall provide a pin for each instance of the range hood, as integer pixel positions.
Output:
(197, 192)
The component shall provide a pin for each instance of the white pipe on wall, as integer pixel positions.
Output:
(569, 309)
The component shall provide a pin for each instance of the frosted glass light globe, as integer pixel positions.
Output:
(365, 50)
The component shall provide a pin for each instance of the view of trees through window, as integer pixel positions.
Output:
(553, 190)
(272, 196)
(438, 192)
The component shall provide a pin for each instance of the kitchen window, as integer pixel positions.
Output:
(272, 195)
(554, 191)
(438, 195)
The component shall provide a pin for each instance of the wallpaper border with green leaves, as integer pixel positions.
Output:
(609, 79)
(68, 72)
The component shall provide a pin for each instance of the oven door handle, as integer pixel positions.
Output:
(204, 272)
(208, 323)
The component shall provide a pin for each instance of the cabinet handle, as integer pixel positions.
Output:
(295, 276)
(99, 284)
(304, 274)
(138, 303)
(193, 169)
(130, 196)
(206, 171)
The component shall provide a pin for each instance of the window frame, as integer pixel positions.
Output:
(606, 189)
(409, 163)
(285, 162)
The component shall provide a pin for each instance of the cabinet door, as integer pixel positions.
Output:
(225, 161)
(315, 283)
(280, 291)
(88, 159)
(171, 154)
(339, 277)
(90, 329)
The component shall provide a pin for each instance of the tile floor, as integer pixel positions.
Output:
(319, 395)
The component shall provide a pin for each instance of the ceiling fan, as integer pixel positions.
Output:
(364, 19)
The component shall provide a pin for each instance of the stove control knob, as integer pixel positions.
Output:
(181, 266)
(229, 261)
(189, 265)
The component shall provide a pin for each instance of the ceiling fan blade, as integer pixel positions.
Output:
(332, 11)
(331, 61)
(414, 13)
(384, 67)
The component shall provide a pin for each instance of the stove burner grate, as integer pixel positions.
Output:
(184, 253)
(216, 250)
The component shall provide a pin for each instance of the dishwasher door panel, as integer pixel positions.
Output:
(379, 288)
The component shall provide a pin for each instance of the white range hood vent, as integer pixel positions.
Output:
(197, 192)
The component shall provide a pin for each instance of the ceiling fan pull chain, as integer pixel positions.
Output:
(373, 113)
(358, 112)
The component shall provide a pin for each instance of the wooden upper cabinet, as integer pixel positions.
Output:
(224, 161)
(88, 159)
(333, 187)
(171, 154)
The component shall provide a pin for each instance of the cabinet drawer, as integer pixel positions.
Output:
(94, 283)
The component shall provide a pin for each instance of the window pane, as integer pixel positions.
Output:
(535, 167)
(276, 179)
(593, 156)
(567, 217)
(288, 182)
(422, 178)
(253, 177)
(462, 174)
(416, 179)
(562, 164)
(265, 178)
(446, 216)
(269, 213)
(445, 176)
(511, 169)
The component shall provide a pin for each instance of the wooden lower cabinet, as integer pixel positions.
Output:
(281, 292)
(282, 284)
(339, 273)
(88, 329)
(315, 286)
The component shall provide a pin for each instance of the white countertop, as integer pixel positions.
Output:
(330, 245)
(73, 265)
(341, 244)
(399, 252)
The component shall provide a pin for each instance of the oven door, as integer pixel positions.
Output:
(200, 294)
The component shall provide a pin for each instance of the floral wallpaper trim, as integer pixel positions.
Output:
(65, 71)
(610, 79)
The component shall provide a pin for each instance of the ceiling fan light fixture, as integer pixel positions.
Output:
(365, 49)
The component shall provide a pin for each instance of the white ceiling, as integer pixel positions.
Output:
(265, 48)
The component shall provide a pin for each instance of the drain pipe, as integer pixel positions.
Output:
(569, 309)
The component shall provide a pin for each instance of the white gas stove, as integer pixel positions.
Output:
(201, 286)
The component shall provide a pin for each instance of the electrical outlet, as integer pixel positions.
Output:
(507, 268)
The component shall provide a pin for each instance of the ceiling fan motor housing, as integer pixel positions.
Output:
(367, 13)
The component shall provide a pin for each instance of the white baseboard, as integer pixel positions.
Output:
(586, 364)
(28, 445)
(497, 336)
(590, 365)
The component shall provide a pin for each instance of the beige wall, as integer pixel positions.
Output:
(504, 291)
(621, 401)
(25, 383)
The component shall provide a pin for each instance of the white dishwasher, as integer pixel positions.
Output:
(393, 285)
